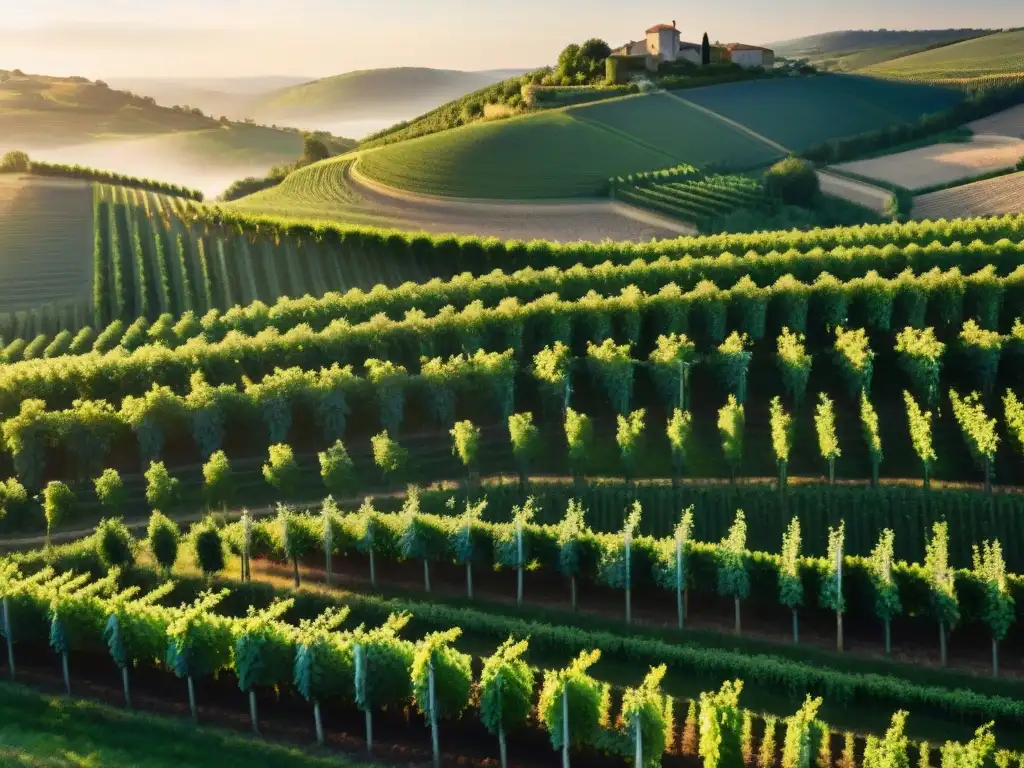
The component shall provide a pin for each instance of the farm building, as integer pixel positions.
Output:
(662, 43)
(750, 55)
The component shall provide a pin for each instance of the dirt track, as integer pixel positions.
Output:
(561, 221)
(873, 198)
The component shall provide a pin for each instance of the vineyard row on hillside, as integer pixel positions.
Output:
(751, 273)
(376, 668)
(707, 315)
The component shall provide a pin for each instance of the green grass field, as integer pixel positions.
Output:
(39, 730)
(800, 113)
(563, 153)
(995, 57)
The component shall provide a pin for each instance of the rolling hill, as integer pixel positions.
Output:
(571, 152)
(850, 41)
(397, 93)
(994, 58)
(74, 120)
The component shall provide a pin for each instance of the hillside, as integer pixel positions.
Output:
(77, 121)
(995, 58)
(571, 152)
(397, 93)
(849, 41)
(216, 96)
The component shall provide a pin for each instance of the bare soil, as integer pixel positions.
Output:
(992, 197)
(941, 163)
(558, 221)
(1009, 122)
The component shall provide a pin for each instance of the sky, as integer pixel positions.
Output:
(317, 38)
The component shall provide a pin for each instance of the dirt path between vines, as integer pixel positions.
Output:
(562, 221)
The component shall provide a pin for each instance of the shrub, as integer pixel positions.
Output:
(389, 455)
(281, 471)
(208, 547)
(218, 482)
(793, 182)
(58, 503)
(161, 488)
(337, 470)
(110, 490)
(115, 543)
(1020, 163)
(164, 538)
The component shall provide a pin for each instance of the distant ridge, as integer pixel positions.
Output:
(846, 41)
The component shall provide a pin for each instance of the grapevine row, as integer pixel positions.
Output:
(706, 314)
(376, 668)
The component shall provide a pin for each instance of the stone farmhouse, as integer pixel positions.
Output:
(662, 43)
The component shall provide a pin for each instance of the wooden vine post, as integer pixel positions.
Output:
(8, 636)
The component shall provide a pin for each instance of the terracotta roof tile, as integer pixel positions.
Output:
(662, 28)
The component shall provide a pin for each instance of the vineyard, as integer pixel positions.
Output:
(600, 479)
(990, 61)
(700, 201)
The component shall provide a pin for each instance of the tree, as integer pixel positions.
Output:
(887, 595)
(388, 455)
(442, 680)
(869, 426)
(705, 50)
(572, 704)
(466, 444)
(831, 595)
(979, 431)
(58, 504)
(616, 566)
(314, 150)
(382, 664)
(208, 547)
(629, 436)
(337, 470)
(791, 587)
(793, 181)
(782, 438)
(794, 365)
(731, 420)
(647, 718)
(161, 488)
(733, 578)
(999, 612)
(804, 736)
(579, 433)
(218, 480)
(110, 490)
(281, 470)
(919, 354)
(732, 361)
(942, 580)
(525, 442)
(891, 750)
(115, 544)
(263, 652)
(678, 430)
(319, 671)
(920, 435)
(164, 537)
(15, 161)
(720, 724)
(294, 538)
(828, 441)
(506, 692)
(572, 531)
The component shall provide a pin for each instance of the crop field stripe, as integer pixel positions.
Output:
(124, 262)
(189, 273)
(101, 263)
(161, 268)
(733, 124)
(143, 275)
(271, 278)
(205, 296)
(297, 283)
(330, 257)
(243, 262)
(312, 258)
(621, 135)
(223, 295)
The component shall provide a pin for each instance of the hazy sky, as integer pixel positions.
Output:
(195, 38)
